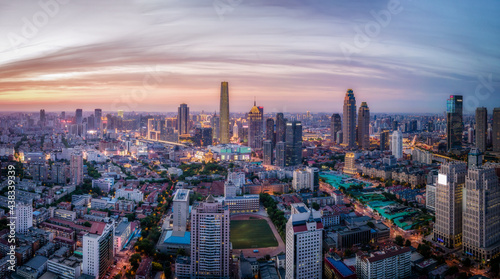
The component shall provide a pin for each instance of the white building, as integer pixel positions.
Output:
(130, 194)
(76, 168)
(98, 250)
(238, 178)
(304, 238)
(65, 214)
(389, 263)
(230, 190)
(104, 183)
(397, 144)
(98, 203)
(303, 180)
(180, 210)
(24, 217)
(122, 234)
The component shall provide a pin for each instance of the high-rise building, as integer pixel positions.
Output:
(481, 128)
(481, 216)
(215, 122)
(255, 128)
(449, 193)
(270, 129)
(303, 180)
(268, 153)
(76, 168)
(304, 242)
(98, 119)
(24, 217)
(350, 163)
(180, 210)
(280, 154)
(224, 113)
(392, 262)
(280, 127)
(397, 144)
(335, 126)
(364, 126)
(454, 122)
(495, 138)
(349, 120)
(98, 249)
(430, 197)
(43, 118)
(384, 140)
(293, 155)
(475, 158)
(210, 244)
(79, 116)
(183, 119)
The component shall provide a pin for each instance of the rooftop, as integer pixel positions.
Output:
(177, 238)
(341, 267)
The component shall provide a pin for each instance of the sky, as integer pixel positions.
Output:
(290, 55)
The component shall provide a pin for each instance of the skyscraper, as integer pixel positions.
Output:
(183, 119)
(210, 244)
(76, 168)
(268, 153)
(98, 249)
(454, 122)
(97, 119)
(280, 127)
(449, 193)
(280, 154)
(335, 126)
(364, 126)
(304, 243)
(384, 140)
(24, 217)
(255, 128)
(475, 158)
(79, 116)
(397, 144)
(215, 122)
(270, 129)
(481, 216)
(293, 154)
(43, 119)
(180, 210)
(496, 130)
(224, 113)
(481, 128)
(349, 120)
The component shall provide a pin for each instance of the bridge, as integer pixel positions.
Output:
(163, 142)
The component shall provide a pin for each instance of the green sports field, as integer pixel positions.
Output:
(247, 234)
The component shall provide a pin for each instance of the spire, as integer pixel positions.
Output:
(254, 101)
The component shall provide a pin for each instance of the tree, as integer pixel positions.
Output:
(315, 206)
(399, 240)
(408, 243)
(371, 225)
(87, 224)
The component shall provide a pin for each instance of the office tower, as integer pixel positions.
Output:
(335, 126)
(215, 123)
(481, 128)
(183, 119)
(391, 262)
(349, 120)
(255, 128)
(481, 216)
(315, 177)
(350, 163)
(43, 119)
(280, 127)
(495, 138)
(430, 197)
(98, 119)
(454, 122)
(280, 154)
(76, 168)
(470, 135)
(302, 180)
(475, 158)
(224, 113)
(397, 144)
(270, 129)
(24, 217)
(79, 116)
(180, 210)
(98, 250)
(364, 126)
(268, 153)
(340, 137)
(293, 152)
(210, 246)
(63, 115)
(384, 140)
(304, 239)
(449, 192)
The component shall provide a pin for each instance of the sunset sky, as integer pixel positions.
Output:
(289, 54)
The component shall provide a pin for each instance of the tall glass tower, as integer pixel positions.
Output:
(481, 128)
(183, 119)
(454, 122)
(349, 120)
(224, 112)
(364, 126)
(293, 143)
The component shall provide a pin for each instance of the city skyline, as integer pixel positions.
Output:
(302, 52)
